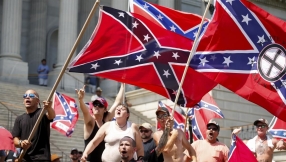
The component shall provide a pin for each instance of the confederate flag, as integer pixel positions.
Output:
(131, 49)
(278, 128)
(243, 49)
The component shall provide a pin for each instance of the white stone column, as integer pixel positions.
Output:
(204, 5)
(120, 4)
(167, 3)
(68, 23)
(12, 68)
(37, 37)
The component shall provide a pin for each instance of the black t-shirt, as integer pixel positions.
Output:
(149, 152)
(95, 155)
(40, 148)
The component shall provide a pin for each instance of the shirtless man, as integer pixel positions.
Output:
(262, 145)
(171, 142)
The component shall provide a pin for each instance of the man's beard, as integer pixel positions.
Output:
(145, 137)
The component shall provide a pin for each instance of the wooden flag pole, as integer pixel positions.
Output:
(186, 119)
(60, 75)
(194, 48)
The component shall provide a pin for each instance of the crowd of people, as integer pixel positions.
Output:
(110, 137)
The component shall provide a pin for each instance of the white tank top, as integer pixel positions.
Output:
(111, 151)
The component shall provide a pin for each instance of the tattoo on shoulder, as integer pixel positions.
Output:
(163, 141)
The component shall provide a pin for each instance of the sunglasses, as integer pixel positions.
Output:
(162, 116)
(74, 152)
(261, 126)
(98, 105)
(31, 95)
(211, 128)
(145, 131)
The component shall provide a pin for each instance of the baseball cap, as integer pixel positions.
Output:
(55, 156)
(98, 89)
(146, 126)
(102, 101)
(162, 109)
(260, 120)
(212, 122)
(74, 149)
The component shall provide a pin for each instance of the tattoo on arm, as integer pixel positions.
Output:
(163, 141)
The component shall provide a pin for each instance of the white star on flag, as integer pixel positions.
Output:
(203, 61)
(94, 66)
(145, 6)
(160, 17)
(227, 60)
(206, 105)
(118, 62)
(157, 54)
(195, 127)
(229, 1)
(195, 34)
(173, 28)
(121, 14)
(213, 57)
(261, 39)
(166, 73)
(146, 37)
(135, 24)
(251, 61)
(246, 19)
(175, 54)
(139, 58)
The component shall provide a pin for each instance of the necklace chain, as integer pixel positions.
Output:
(119, 126)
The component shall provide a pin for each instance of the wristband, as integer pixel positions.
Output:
(140, 158)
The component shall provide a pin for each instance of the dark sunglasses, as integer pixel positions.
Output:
(162, 116)
(211, 128)
(145, 131)
(97, 104)
(261, 126)
(31, 95)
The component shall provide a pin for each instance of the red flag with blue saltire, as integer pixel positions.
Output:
(183, 23)
(278, 128)
(179, 119)
(243, 49)
(131, 49)
(201, 114)
(239, 152)
(66, 114)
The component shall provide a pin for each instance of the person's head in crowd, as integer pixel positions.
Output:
(98, 91)
(122, 111)
(44, 61)
(145, 131)
(99, 106)
(79, 154)
(162, 115)
(74, 154)
(213, 129)
(55, 158)
(261, 126)
(31, 99)
(127, 148)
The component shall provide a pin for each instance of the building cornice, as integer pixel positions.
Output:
(275, 3)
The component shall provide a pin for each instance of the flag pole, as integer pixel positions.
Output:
(186, 119)
(60, 75)
(194, 48)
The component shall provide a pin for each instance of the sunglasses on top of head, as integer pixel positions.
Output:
(31, 95)
(97, 104)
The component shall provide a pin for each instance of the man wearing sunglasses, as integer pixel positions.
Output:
(210, 149)
(148, 142)
(262, 145)
(94, 117)
(171, 142)
(39, 147)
